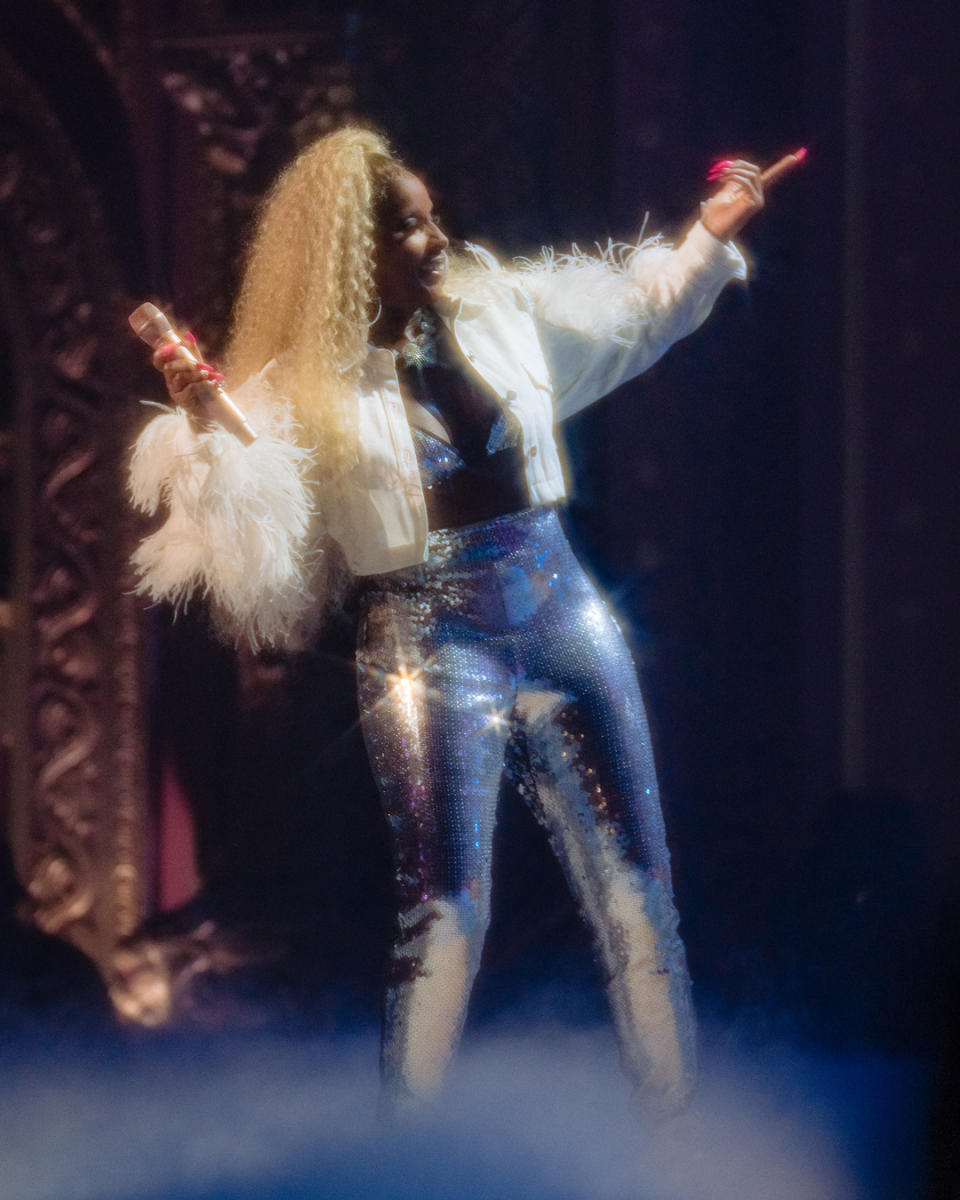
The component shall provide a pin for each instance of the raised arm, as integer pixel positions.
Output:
(605, 319)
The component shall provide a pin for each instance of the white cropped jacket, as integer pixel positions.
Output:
(549, 338)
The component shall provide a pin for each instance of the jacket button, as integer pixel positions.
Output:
(533, 452)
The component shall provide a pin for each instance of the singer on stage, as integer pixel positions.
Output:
(404, 399)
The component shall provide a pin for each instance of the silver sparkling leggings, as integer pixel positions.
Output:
(498, 651)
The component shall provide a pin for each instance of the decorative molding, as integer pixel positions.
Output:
(240, 89)
(75, 17)
(79, 825)
(162, 979)
(248, 101)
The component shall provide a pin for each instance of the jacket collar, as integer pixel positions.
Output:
(449, 308)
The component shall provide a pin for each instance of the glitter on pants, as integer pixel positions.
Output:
(497, 654)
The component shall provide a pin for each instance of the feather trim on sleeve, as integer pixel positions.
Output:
(238, 525)
(603, 296)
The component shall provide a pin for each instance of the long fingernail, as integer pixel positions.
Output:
(190, 336)
(800, 154)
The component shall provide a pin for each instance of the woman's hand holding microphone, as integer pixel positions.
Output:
(187, 379)
(191, 383)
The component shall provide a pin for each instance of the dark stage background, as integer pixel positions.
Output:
(772, 508)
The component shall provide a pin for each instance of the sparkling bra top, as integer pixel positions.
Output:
(478, 473)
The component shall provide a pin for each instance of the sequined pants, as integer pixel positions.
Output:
(499, 652)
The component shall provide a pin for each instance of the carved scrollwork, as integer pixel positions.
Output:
(158, 980)
(250, 100)
(86, 750)
(240, 91)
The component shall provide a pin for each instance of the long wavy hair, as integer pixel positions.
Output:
(308, 296)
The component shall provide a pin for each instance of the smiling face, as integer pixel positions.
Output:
(411, 247)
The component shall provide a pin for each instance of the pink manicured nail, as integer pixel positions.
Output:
(190, 336)
(800, 154)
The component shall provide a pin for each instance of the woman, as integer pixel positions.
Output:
(405, 414)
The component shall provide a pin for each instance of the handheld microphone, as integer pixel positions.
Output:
(152, 327)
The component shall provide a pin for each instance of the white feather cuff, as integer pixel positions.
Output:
(615, 293)
(238, 526)
(603, 295)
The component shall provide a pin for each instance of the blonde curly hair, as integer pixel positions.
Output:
(308, 295)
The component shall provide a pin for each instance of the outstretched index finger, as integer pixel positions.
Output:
(788, 163)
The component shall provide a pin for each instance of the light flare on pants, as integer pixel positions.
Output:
(498, 653)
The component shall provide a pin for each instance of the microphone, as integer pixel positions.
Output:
(152, 327)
